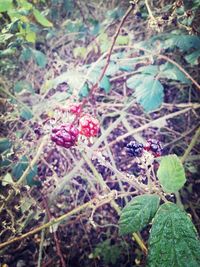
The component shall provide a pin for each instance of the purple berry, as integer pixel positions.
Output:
(154, 147)
(135, 149)
(65, 135)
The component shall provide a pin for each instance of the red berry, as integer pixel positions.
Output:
(75, 108)
(65, 135)
(89, 126)
(154, 147)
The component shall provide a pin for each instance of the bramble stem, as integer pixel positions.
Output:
(192, 144)
(88, 204)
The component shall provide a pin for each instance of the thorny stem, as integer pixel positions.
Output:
(58, 249)
(35, 159)
(141, 244)
(30, 166)
(88, 204)
(113, 203)
(183, 159)
(149, 9)
(150, 124)
(190, 147)
(181, 69)
(39, 263)
(95, 86)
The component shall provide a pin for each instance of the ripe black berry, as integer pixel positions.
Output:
(65, 135)
(154, 147)
(135, 149)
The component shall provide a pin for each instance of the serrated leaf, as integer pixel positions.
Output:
(105, 84)
(41, 19)
(171, 72)
(171, 173)
(138, 213)
(173, 239)
(149, 93)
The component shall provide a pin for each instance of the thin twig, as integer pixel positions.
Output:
(192, 144)
(109, 53)
(58, 249)
(150, 124)
(181, 69)
(63, 217)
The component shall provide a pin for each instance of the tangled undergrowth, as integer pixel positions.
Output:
(90, 110)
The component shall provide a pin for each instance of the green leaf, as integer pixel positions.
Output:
(40, 58)
(26, 114)
(23, 85)
(135, 80)
(171, 40)
(122, 40)
(5, 144)
(109, 253)
(80, 52)
(150, 69)
(173, 239)
(7, 179)
(138, 213)
(31, 37)
(41, 19)
(26, 54)
(5, 37)
(19, 169)
(6, 5)
(84, 92)
(148, 91)
(105, 84)
(171, 72)
(193, 57)
(171, 173)
(112, 69)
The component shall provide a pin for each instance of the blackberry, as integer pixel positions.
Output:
(154, 147)
(135, 149)
(65, 135)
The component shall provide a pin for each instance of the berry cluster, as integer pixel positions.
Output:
(136, 149)
(154, 147)
(66, 135)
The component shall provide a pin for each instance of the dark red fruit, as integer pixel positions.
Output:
(65, 135)
(89, 126)
(75, 108)
(135, 149)
(154, 147)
